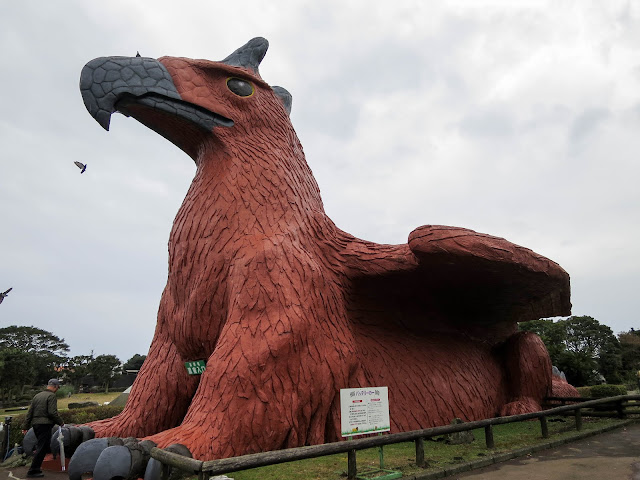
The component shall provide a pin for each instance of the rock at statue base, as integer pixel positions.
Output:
(459, 438)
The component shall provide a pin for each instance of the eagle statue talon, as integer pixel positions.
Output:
(113, 457)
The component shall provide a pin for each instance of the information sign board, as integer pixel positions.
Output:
(364, 410)
(195, 368)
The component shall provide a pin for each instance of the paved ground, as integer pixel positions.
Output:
(609, 456)
(51, 469)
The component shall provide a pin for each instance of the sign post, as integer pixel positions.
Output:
(364, 411)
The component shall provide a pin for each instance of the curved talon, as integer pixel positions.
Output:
(154, 467)
(76, 439)
(153, 470)
(140, 455)
(86, 456)
(87, 433)
(54, 446)
(29, 442)
(179, 449)
(113, 462)
(126, 460)
(72, 438)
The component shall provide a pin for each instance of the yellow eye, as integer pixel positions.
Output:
(240, 87)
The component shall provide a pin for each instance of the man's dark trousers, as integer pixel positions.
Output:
(43, 433)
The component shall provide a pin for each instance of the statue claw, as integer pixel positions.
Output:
(154, 467)
(29, 442)
(86, 456)
(113, 462)
(72, 437)
(108, 458)
(87, 433)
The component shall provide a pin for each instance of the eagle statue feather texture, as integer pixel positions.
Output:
(285, 308)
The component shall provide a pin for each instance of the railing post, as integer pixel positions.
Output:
(419, 452)
(578, 419)
(352, 468)
(488, 435)
(203, 475)
(544, 427)
(620, 408)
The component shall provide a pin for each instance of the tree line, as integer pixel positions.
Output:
(30, 356)
(587, 351)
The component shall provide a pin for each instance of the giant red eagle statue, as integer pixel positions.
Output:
(284, 307)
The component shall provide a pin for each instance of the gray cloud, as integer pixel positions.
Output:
(584, 124)
(518, 122)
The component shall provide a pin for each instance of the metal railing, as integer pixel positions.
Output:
(205, 469)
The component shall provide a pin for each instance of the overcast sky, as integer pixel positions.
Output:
(521, 122)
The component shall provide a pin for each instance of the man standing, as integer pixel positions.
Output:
(43, 415)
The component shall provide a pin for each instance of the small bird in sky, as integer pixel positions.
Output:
(4, 294)
(138, 54)
(81, 166)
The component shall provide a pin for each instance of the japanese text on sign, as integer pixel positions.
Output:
(195, 368)
(364, 410)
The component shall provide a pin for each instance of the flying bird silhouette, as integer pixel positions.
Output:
(81, 166)
(4, 294)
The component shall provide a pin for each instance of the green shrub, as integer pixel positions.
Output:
(584, 391)
(603, 391)
(90, 414)
(73, 405)
(76, 417)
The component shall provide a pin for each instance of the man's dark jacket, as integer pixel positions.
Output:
(43, 410)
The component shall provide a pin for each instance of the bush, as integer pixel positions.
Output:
(584, 391)
(73, 405)
(603, 391)
(76, 417)
(90, 414)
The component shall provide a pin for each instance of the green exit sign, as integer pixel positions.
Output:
(195, 368)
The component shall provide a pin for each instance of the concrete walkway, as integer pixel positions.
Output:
(609, 456)
(51, 468)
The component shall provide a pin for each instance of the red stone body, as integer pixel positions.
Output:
(287, 309)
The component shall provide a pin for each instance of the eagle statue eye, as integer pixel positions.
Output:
(240, 87)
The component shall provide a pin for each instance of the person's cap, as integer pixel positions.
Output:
(55, 382)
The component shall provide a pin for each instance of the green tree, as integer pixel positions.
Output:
(103, 368)
(48, 350)
(588, 337)
(553, 334)
(581, 347)
(630, 355)
(134, 363)
(17, 369)
(76, 368)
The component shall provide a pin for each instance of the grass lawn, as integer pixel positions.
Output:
(401, 457)
(63, 403)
